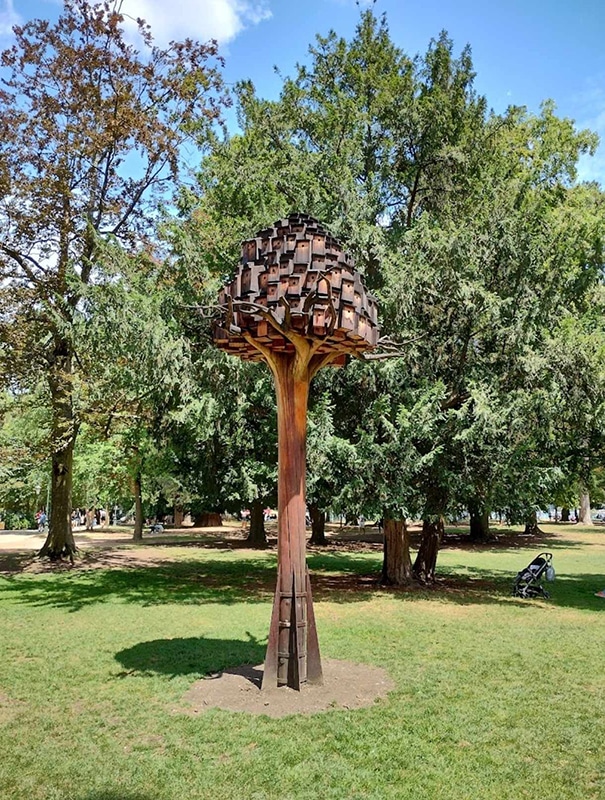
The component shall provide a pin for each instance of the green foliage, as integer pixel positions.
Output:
(225, 437)
(485, 253)
(93, 135)
(471, 229)
(24, 478)
(333, 463)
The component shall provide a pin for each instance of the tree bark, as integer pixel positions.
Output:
(138, 508)
(397, 563)
(292, 400)
(479, 524)
(208, 519)
(60, 541)
(257, 536)
(318, 525)
(564, 514)
(585, 514)
(426, 558)
(531, 525)
(292, 657)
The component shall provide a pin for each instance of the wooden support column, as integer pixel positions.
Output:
(293, 651)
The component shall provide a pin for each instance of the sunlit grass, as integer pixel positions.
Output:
(496, 697)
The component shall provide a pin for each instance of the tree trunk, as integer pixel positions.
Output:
(292, 657)
(318, 526)
(138, 508)
(479, 524)
(60, 541)
(397, 563)
(257, 536)
(564, 514)
(531, 525)
(208, 519)
(426, 558)
(585, 515)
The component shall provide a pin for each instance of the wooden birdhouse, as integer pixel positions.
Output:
(297, 262)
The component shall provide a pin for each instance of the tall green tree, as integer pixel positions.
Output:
(24, 431)
(332, 469)
(467, 224)
(91, 135)
(225, 441)
(145, 376)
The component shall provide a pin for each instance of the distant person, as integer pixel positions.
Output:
(42, 520)
(90, 519)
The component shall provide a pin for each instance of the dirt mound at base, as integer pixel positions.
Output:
(345, 685)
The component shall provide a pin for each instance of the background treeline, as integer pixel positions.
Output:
(484, 251)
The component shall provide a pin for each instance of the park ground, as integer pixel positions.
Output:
(494, 697)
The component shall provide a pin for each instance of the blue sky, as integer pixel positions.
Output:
(524, 51)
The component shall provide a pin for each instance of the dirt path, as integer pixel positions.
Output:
(110, 547)
(115, 537)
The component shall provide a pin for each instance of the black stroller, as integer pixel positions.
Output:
(527, 583)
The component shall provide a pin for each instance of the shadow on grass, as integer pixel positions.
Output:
(336, 577)
(188, 582)
(14, 562)
(117, 794)
(456, 539)
(570, 591)
(199, 656)
(181, 582)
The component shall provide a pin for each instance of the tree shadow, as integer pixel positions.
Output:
(575, 590)
(513, 541)
(188, 582)
(195, 655)
(336, 577)
(13, 562)
(117, 794)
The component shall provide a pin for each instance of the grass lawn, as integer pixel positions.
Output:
(496, 697)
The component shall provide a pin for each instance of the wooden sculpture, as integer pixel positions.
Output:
(297, 303)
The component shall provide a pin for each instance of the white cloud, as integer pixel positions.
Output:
(8, 17)
(198, 19)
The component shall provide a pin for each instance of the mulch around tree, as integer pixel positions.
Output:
(345, 686)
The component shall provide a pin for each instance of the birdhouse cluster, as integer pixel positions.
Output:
(295, 277)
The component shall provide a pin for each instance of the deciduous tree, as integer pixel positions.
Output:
(91, 135)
